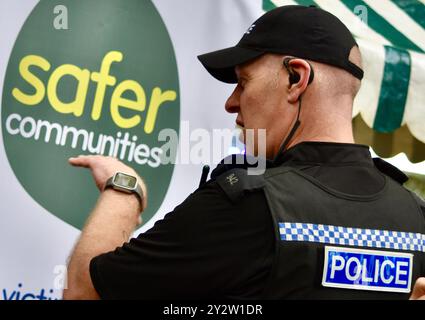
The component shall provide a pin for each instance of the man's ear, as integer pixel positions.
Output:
(301, 71)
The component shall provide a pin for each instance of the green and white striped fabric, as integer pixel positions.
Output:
(391, 37)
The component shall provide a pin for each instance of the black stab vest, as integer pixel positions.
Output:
(295, 197)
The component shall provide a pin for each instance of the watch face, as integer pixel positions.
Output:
(125, 181)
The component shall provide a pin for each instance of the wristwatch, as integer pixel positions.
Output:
(125, 183)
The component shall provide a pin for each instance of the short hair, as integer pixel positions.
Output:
(338, 81)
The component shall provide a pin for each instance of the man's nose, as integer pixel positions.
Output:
(232, 103)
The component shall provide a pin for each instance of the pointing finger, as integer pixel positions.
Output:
(80, 161)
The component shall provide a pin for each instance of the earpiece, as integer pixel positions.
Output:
(294, 77)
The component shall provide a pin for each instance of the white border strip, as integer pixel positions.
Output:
(366, 287)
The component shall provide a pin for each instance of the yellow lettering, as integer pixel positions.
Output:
(26, 62)
(120, 106)
(83, 77)
(103, 79)
(117, 101)
(157, 99)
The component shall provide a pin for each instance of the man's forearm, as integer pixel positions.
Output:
(109, 226)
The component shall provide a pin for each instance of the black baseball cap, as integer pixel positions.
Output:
(304, 32)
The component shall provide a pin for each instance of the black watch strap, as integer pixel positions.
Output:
(138, 191)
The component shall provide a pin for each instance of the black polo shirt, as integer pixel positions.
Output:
(209, 247)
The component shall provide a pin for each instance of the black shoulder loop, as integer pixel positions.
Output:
(391, 171)
(236, 182)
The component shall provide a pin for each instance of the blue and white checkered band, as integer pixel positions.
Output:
(320, 233)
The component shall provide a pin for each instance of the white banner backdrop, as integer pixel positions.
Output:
(34, 243)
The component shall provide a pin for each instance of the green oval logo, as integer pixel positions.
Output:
(106, 85)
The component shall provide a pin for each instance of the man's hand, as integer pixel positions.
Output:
(419, 290)
(103, 168)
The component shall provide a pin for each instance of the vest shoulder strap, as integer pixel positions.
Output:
(390, 170)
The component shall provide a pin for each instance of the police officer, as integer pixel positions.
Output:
(324, 221)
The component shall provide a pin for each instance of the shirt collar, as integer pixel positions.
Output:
(326, 152)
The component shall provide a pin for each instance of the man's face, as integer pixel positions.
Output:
(260, 101)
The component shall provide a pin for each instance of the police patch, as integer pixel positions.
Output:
(361, 269)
